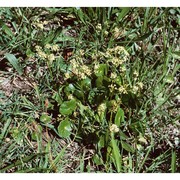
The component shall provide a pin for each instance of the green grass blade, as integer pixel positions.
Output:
(123, 13)
(173, 161)
(19, 162)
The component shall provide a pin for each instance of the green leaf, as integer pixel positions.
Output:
(14, 62)
(45, 118)
(116, 154)
(127, 146)
(123, 13)
(81, 15)
(57, 98)
(64, 128)
(176, 54)
(119, 117)
(173, 161)
(7, 30)
(86, 84)
(67, 107)
(5, 129)
(169, 79)
(37, 133)
(99, 81)
(102, 70)
(69, 89)
(123, 136)
(101, 142)
(97, 160)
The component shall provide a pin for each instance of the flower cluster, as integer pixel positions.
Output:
(39, 24)
(117, 55)
(101, 108)
(98, 27)
(113, 128)
(137, 88)
(48, 52)
(79, 69)
(53, 47)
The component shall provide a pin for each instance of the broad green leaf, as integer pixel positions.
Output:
(64, 128)
(79, 94)
(119, 117)
(69, 89)
(99, 81)
(67, 107)
(102, 70)
(45, 118)
(101, 142)
(127, 146)
(116, 154)
(97, 160)
(14, 62)
(86, 84)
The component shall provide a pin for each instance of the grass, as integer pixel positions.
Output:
(89, 90)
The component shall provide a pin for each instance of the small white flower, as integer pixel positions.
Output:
(114, 128)
(176, 141)
(135, 89)
(42, 54)
(55, 47)
(40, 25)
(113, 76)
(38, 48)
(70, 97)
(140, 84)
(106, 33)
(136, 74)
(122, 90)
(45, 22)
(101, 108)
(123, 69)
(99, 27)
(67, 75)
(51, 57)
(47, 46)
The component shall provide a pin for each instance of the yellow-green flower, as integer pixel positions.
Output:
(135, 89)
(113, 76)
(51, 57)
(101, 108)
(55, 47)
(122, 90)
(140, 84)
(99, 27)
(42, 54)
(38, 48)
(114, 128)
(40, 25)
(85, 69)
(67, 76)
(47, 46)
